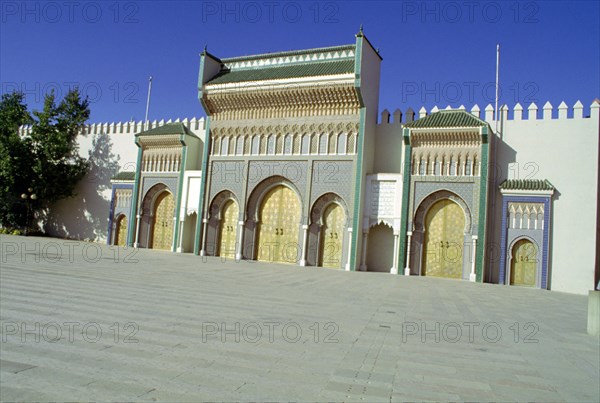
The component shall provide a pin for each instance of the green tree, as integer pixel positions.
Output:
(46, 159)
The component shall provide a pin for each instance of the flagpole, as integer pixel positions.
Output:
(148, 101)
(497, 112)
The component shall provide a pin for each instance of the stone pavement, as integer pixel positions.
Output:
(81, 321)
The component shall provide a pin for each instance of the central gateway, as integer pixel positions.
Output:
(279, 225)
(444, 240)
(162, 234)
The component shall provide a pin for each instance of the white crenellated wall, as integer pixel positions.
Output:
(559, 144)
(85, 215)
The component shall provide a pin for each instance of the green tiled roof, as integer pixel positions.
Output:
(169, 128)
(447, 118)
(526, 184)
(124, 176)
(339, 48)
(309, 69)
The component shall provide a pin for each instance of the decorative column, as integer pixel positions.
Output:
(473, 276)
(136, 243)
(407, 268)
(204, 224)
(394, 269)
(180, 237)
(349, 248)
(173, 246)
(363, 258)
(304, 245)
(239, 255)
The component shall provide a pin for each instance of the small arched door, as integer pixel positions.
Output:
(279, 216)
(229, 218)
(332, 235)
(444, 237)
(121, 231)
(523, 264)
(162, 232)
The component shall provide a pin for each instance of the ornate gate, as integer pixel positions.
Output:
(121, 231)
(332, 235)
(162, 232)
(524, 263)
(279, 217)
(229, 218)
(443, 252)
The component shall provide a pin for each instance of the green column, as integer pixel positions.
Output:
(134, 201)
(405, 199)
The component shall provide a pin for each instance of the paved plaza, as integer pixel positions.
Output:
(84, 322)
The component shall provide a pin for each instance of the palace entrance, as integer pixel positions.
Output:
(444, 237)
(279, 220)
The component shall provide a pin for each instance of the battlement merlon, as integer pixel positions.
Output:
(563, 112)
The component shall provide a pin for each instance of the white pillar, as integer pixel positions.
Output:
(473, 276)
(180, 246)
(304, 244)
(203, 250)
(239, 255)
(173, 246)
(136, 243)
(394, 269)
(349, 248)
(363, 258)
(407, 268)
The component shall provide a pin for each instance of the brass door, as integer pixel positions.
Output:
(162, 233)
(279, 223)
(444, 235)
(121, 231)
(332, 235)
(524, 264)
(229, 219)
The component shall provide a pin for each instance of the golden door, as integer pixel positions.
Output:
(279, 222)
(121, 231)
(524, 263)
(332, 235)
(443, 252)
(162, 234)
(229, 218)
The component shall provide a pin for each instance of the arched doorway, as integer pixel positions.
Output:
(279, 219)
(444, 237)
(228, 229)
(332, 235)
(524, 263)
(162, 226)
(121, 231)
(380, 252)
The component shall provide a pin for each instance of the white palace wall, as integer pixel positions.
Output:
(85, 215)
(561, 145)
(564, 151)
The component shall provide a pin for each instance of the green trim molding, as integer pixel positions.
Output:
(203, 179)
(134, 201)
(359, 156)
(405, 194)
(180, 190)
(479, 256)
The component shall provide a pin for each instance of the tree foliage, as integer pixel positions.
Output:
(46, 159)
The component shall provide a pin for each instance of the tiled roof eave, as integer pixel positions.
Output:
(300, 81)
(288, 53)
(441, 129)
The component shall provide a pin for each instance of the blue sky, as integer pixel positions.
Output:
(434, 53)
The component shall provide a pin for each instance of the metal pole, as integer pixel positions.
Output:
(497, 84)
(148, 101)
